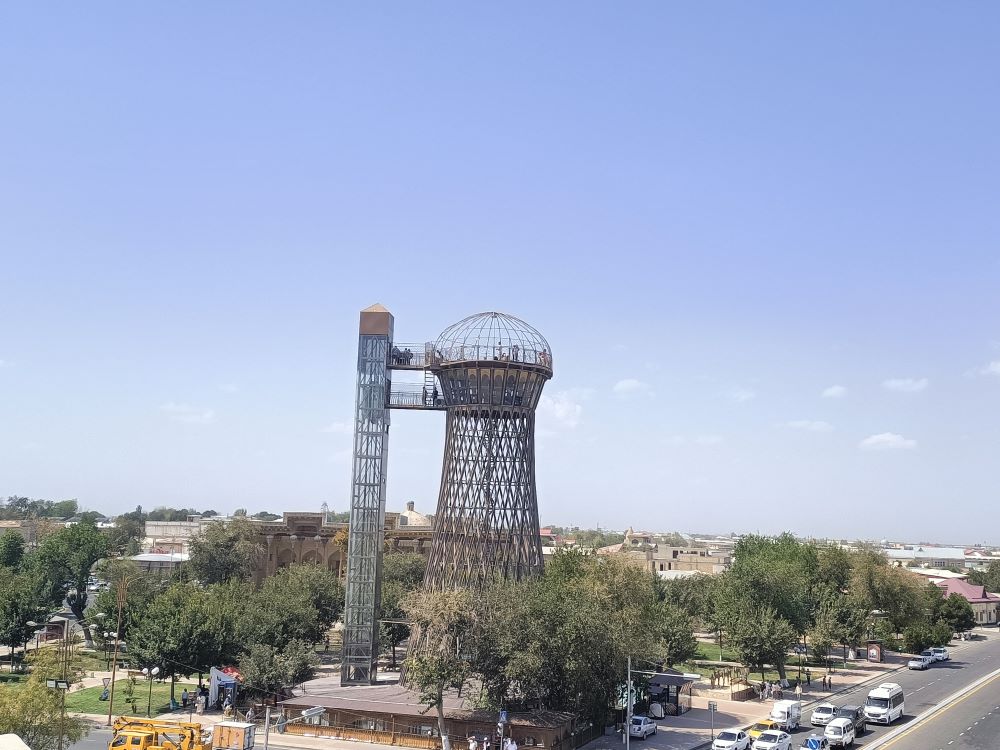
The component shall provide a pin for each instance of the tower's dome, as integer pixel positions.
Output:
(494, 335)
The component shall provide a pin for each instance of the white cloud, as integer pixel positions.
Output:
(885, 441)
(339, 428)
(563, 408)
(834, 391)
(905, 385)
(741, 395)
(229, 388)
(187, 414)
(993, 368)
(810, 425)
(630, 387)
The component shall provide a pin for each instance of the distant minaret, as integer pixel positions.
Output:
(325, 510)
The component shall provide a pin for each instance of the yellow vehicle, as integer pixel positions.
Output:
(134, 733)
(764, 725)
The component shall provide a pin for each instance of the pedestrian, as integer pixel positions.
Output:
(473, 745)
(829, 682)
(326, 644)
(808, 678)
(184, 698)
(250, 715)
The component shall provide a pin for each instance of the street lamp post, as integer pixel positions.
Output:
(107, 650)
(150, 674)
(123, 585)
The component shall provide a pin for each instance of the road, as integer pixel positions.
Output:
(970, 723)
(924, 689)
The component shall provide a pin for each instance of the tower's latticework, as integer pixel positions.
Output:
(491, 368)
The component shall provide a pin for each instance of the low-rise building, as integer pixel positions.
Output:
(985, 606)
(926, 555)
(641, 549)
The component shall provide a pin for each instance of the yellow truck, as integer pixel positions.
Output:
(135, 733)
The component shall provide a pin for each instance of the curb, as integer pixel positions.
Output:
(930, 712)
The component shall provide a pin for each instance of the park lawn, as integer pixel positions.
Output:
(87, 701)
(710, 652)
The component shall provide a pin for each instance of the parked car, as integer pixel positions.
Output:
(854, 714)
(764, 725)
(929, 654)
(732, 739)
(642, 727)
(815, 742)
(840, 733)
(919, 662)
(773, 739)
(941, 653)
(823, 714)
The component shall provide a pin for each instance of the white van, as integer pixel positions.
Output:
(885, 703)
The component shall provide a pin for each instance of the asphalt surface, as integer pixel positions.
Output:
(970, 723)
(970, 660)
(98, 739)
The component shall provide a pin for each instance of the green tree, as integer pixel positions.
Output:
(24, 603)
(125, 537)
(225, 552)
(182, 631)
(402, 572)
(957, 614)
(263, 515)
(68, 556)
(11, 549)
(990, 577)
(762, 637)
(323, 589)
(393, 628)
(33, 712)
(445, 619)
(141, 591)
(675, 635)
(267, 671)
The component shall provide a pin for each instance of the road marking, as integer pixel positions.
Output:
(947, 704)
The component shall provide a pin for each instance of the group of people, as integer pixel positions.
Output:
(769, 690)
(197, 697)
(402, 357)
(507, 743)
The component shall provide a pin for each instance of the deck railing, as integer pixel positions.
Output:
(412, 396)
(420, 356)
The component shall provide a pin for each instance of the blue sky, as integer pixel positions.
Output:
(714, 211)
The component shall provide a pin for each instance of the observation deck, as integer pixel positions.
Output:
(427, 357)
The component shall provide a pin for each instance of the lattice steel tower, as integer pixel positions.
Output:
(491, 368)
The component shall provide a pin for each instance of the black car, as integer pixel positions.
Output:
(856, 714)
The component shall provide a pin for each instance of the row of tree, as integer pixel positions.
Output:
(780, 591)
(559, 641)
